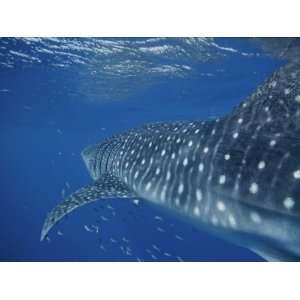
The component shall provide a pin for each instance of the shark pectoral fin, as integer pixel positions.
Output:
(107, 186)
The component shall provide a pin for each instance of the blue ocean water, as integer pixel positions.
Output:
(58, 95)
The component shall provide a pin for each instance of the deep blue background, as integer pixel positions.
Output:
(43, 128)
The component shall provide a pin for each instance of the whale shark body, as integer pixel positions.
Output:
(237, 176)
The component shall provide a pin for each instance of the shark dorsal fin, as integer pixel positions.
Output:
(108, 186)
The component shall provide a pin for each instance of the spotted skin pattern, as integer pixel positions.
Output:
(237, 176)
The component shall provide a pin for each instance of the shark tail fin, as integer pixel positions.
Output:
(108, 186)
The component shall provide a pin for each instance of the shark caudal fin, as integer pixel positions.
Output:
(107, 186)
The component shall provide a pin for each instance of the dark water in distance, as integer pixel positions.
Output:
(59, 95)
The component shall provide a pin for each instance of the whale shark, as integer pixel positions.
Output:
(237, 176)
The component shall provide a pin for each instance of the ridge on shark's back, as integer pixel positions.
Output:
(238, 176)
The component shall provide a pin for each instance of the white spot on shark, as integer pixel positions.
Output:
(296, 174)
(232, 220)
(261, 165)
(253, 188)
(255, 217)
(168, 175)
(185, 162)
(201, 167)
(222, 179)
(196, 211)
(227, 156)
(288, 202)
(180, 188)
(235, 135)
(198, 194)
(148, 186)
(221, 206)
